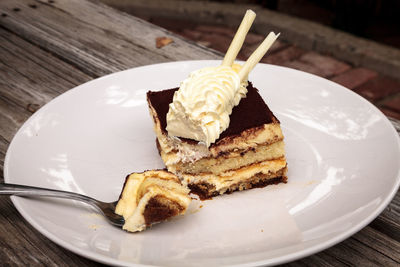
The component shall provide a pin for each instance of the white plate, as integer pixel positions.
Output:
(343, 156)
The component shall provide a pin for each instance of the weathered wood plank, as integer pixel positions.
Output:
(374, 239)
(11, 118)
(32, 76)
(369, 246)
(99, 40)
(26, 57)
(388, 222)
(96, 42)
(28, 75)
(395, 204)
(351, 252)
(27, 247)
(3, 148)
(379, 239)
(321, 259)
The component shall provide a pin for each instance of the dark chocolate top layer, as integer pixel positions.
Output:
(251, 112)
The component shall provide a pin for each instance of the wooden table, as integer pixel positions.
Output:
(48, 47)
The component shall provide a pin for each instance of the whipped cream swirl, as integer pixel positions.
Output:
(201, 107)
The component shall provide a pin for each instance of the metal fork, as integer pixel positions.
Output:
(106, 209)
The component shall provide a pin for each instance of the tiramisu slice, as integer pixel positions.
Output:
(151, 197)
(215, 132)
(250, 153)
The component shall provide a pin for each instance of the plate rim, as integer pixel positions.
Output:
(274, 260)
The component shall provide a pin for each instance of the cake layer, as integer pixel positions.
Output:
(239, 179)
(151, 197)
(206, 190)
(224, 162)
(252, 123)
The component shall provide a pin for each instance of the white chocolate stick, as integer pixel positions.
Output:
(257, 55)
(238, 40)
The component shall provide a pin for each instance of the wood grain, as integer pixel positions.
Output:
(24, 246)
(388, 222)
(47, 49)
(28, 74)
(95, 47)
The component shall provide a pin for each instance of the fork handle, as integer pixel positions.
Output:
(24, 190)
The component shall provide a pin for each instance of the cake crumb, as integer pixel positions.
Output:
(195, 207)
(94, 226)
(262, 230)
(311, 182)
(93, 215)
(32, 108)
(163, 41)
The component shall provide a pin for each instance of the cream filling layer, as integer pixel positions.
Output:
(233, 160)
(136, 222)
(140, 188)
(223, 181)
